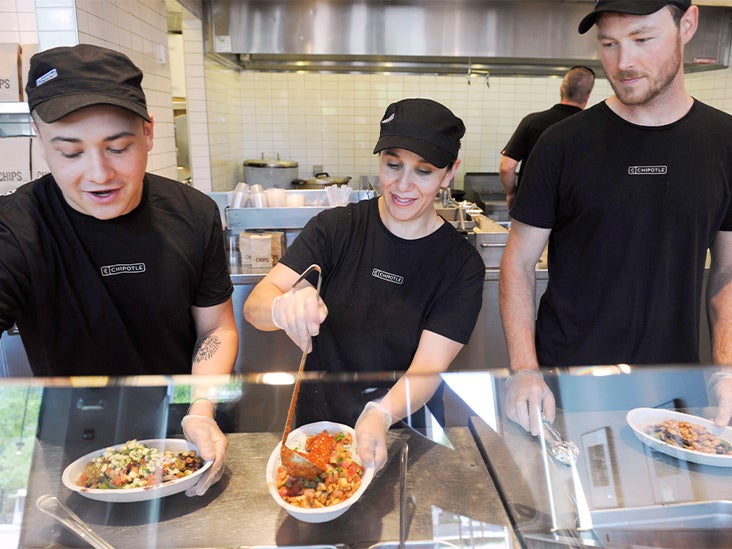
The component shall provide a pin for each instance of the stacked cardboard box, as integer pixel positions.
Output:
(10, 63)
(20, 159)
(261, 250)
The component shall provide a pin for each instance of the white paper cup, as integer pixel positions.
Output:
(276, 198)
(257, 198)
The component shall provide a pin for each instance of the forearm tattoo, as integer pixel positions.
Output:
(206, 348)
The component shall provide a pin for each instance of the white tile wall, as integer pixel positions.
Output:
(136, 27)
(197, 109)
(18, 21)
(333, 120)
(139, 29)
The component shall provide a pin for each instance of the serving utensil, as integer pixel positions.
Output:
(403, 456)
(53, 507)
(564, 451)
(297, 463)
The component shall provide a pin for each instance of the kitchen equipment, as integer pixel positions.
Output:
(270, 172)
(295, 462)
(319, 181)
(53, 507)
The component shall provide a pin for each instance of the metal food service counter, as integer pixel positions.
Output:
(474, 478)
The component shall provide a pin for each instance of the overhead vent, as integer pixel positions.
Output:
(471, 37)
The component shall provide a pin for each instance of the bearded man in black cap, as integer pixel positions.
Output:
(401, 288)
(629, 194)
(107, 269)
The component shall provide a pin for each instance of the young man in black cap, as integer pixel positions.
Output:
(107, 269)
(630, 195)
(401, 287)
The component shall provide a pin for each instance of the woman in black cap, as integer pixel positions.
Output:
(401, 288)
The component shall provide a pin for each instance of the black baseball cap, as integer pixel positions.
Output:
(65, 79)
(423, 126)
(632, 7)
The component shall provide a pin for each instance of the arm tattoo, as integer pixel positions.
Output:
(206, 348)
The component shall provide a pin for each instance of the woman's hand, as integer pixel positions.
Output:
(299, 312)
(371, 428)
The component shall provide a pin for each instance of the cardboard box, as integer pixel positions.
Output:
(26, 52)
(14, 162)
(261, 250)
(38, 166)
(10, 72)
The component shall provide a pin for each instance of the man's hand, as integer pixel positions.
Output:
(371, 428)
(527, 393)
(204, 433)
(720, 384)
(299, 312)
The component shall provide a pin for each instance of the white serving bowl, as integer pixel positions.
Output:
(123, 495)
(297, 438)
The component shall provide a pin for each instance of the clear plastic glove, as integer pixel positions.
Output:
(371, 428)
(299, 312)
(527, 393)
(720, 384)
(204, 432)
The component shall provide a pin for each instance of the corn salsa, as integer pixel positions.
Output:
(135, 465)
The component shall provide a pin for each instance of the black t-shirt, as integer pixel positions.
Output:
(531, 127)
(632, 210)
(382, 291)
(110, 297)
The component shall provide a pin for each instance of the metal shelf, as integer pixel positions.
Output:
(15, 119)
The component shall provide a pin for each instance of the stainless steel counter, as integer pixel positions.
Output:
(445, 484)
(633, 495)
(475, 469)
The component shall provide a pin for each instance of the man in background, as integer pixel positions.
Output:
(574, 94)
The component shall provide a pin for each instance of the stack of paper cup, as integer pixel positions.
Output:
(276, 197)
(295, 200)
(240, 196)
(257, 197)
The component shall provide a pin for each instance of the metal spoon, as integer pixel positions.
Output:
(564, 451)
(296, 463)
(53, 507)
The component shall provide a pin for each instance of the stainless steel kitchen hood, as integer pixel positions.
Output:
(470, 37)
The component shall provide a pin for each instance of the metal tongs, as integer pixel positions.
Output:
(566, 452)
(53, 507)
(297, 463)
